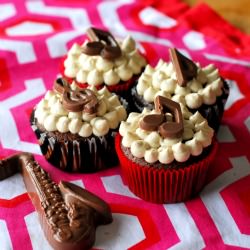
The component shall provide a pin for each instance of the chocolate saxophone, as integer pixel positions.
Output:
(68, 214)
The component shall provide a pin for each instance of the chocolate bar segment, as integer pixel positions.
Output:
(154, 122)
(9, 167)
(102, 43)
(68, 214)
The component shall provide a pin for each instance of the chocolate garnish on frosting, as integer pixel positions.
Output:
(154, 122)
(68, 214)
(102, 43)
(76, 100)
(185, 69)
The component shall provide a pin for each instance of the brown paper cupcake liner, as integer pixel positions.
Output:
(73, 153)
(159, 185)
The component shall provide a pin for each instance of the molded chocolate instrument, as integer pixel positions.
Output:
(68, 214)
(154, 122)
(102, 43)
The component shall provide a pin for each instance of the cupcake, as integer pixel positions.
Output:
(165, 153)
(75, 127)
(199, 88)
(103, 61)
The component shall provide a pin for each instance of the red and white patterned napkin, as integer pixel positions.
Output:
(35, 36)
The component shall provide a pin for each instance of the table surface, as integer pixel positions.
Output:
(237, 12)
(34, 38)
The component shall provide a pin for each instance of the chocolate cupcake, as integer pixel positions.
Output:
(199, 88)
(165, 153)
(103, 61)
(75, 128)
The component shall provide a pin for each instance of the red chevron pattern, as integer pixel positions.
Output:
(35, 36)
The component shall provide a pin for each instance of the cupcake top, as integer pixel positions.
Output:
(182, 81)
(85, 112)
(167, 133)
(103, 60)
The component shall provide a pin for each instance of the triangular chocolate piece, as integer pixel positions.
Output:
(185, 69)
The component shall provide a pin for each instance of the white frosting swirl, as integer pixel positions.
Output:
(152, 147)
(86, 130)
(151, 155)
(62, 124)
(138, 148)
(165, 155)
(111, 77)
(193, 100)
(200, 90)
(100, 126)
(94, 70)
(181, 152)
(51, 114)
(95, 77)
(50, 122)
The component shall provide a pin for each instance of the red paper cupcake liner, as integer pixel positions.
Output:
(164, 185)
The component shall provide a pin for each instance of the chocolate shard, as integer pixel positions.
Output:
(185, 69)
(68, 214)
(9, 167)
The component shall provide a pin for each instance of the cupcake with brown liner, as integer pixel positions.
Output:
(199, 88)
(103, 61)
(75, 128)
(165, 153)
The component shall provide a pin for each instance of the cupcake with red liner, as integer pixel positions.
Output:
(199, 88)
(165, 153)
(75, 127)
(103, 61)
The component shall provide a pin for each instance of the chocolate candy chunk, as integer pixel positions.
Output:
(68, 214)
(61, 85)
(76, 100)
(12, 168)
(185, 69)
(157, 122)
(102, 43)
(152, 122)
